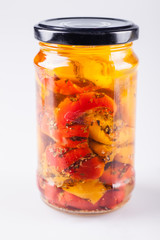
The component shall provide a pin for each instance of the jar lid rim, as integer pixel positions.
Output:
(86, 31)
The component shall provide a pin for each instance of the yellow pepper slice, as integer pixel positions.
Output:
(99, 135)
(92, 190)
(110, 134)
(66, 72)
(103, 150)
(98, 72)
(124, 153)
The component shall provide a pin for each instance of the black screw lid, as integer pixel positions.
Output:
(86, 31)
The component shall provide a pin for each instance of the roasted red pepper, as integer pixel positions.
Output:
(61, 157)
(117, 172)
(72, 108)
(91, 168)
(79, 163)
(69, 136)
(112, 198)
(52, 193)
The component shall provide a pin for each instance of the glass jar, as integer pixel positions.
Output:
(86, 74)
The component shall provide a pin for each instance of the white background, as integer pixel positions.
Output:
(22, 214)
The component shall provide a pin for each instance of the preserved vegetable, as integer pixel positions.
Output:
(86, 98)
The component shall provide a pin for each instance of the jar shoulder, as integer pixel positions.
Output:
(116, 62)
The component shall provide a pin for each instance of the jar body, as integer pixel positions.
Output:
(86, 100)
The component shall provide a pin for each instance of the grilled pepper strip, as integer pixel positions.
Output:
(79, 163)
(72, 108)
(61, 157)
(112, 198)
(88, 169)
(70, 136)
(117, 172)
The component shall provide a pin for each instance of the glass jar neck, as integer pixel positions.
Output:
(85, 49)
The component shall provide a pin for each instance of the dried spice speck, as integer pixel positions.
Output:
(107, 129)
(98, 122)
